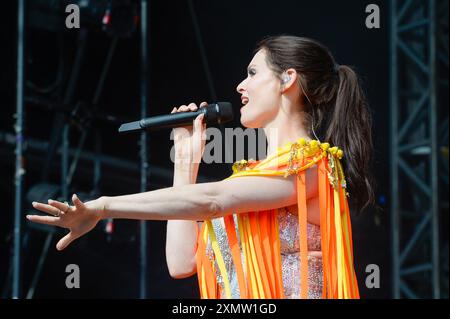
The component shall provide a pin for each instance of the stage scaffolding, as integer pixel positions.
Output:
(59, 141)
(419, 147)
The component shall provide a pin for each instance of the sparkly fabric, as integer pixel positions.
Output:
(290, 260)
(222, 239)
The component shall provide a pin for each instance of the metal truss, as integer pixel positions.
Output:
(419, 146)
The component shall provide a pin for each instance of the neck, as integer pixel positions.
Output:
(282, 131)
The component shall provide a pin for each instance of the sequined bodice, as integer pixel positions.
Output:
(289, 236)
(289, 245)
(290, 259)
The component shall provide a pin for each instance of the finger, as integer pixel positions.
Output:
(46, 208)
(192, 107)
(203, 104)
(65, 241)
(47, 220)
(183, 108)
(63, 207)
(77, 202)
(174, 110)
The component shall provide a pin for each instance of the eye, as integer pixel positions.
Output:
(251, 72)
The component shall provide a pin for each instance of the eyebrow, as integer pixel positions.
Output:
(251, 65)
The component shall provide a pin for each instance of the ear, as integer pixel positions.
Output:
(291, 79)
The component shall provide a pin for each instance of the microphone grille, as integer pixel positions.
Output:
(225, 112)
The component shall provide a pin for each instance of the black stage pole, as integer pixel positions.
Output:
(143, 149)
(20, 170)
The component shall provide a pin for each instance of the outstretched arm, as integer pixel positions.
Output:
(188, 202)
(204, 201)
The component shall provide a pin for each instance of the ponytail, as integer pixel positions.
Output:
(349, 128)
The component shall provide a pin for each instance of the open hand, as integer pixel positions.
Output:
(79, 219)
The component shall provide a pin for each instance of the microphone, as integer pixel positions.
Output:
(216, 113)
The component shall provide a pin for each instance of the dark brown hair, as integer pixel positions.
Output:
(335, 105)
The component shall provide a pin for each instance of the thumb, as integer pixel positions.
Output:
(199, 122)
(65, 241)
(199, 131)
(78, 203)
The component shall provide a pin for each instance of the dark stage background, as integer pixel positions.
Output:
(230, 29)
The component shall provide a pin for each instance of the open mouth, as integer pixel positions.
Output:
(244, 101)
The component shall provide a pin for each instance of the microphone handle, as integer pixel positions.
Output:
(213, 115)
(171, 120)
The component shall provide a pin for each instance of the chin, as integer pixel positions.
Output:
(249, 124)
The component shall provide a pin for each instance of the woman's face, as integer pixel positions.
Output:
(260, 93)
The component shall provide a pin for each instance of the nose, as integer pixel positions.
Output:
(240, 88)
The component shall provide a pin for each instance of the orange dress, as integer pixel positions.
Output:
(274, 253)
(290, 258)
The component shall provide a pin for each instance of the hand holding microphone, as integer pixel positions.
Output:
(215, 113)
(189, 141)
